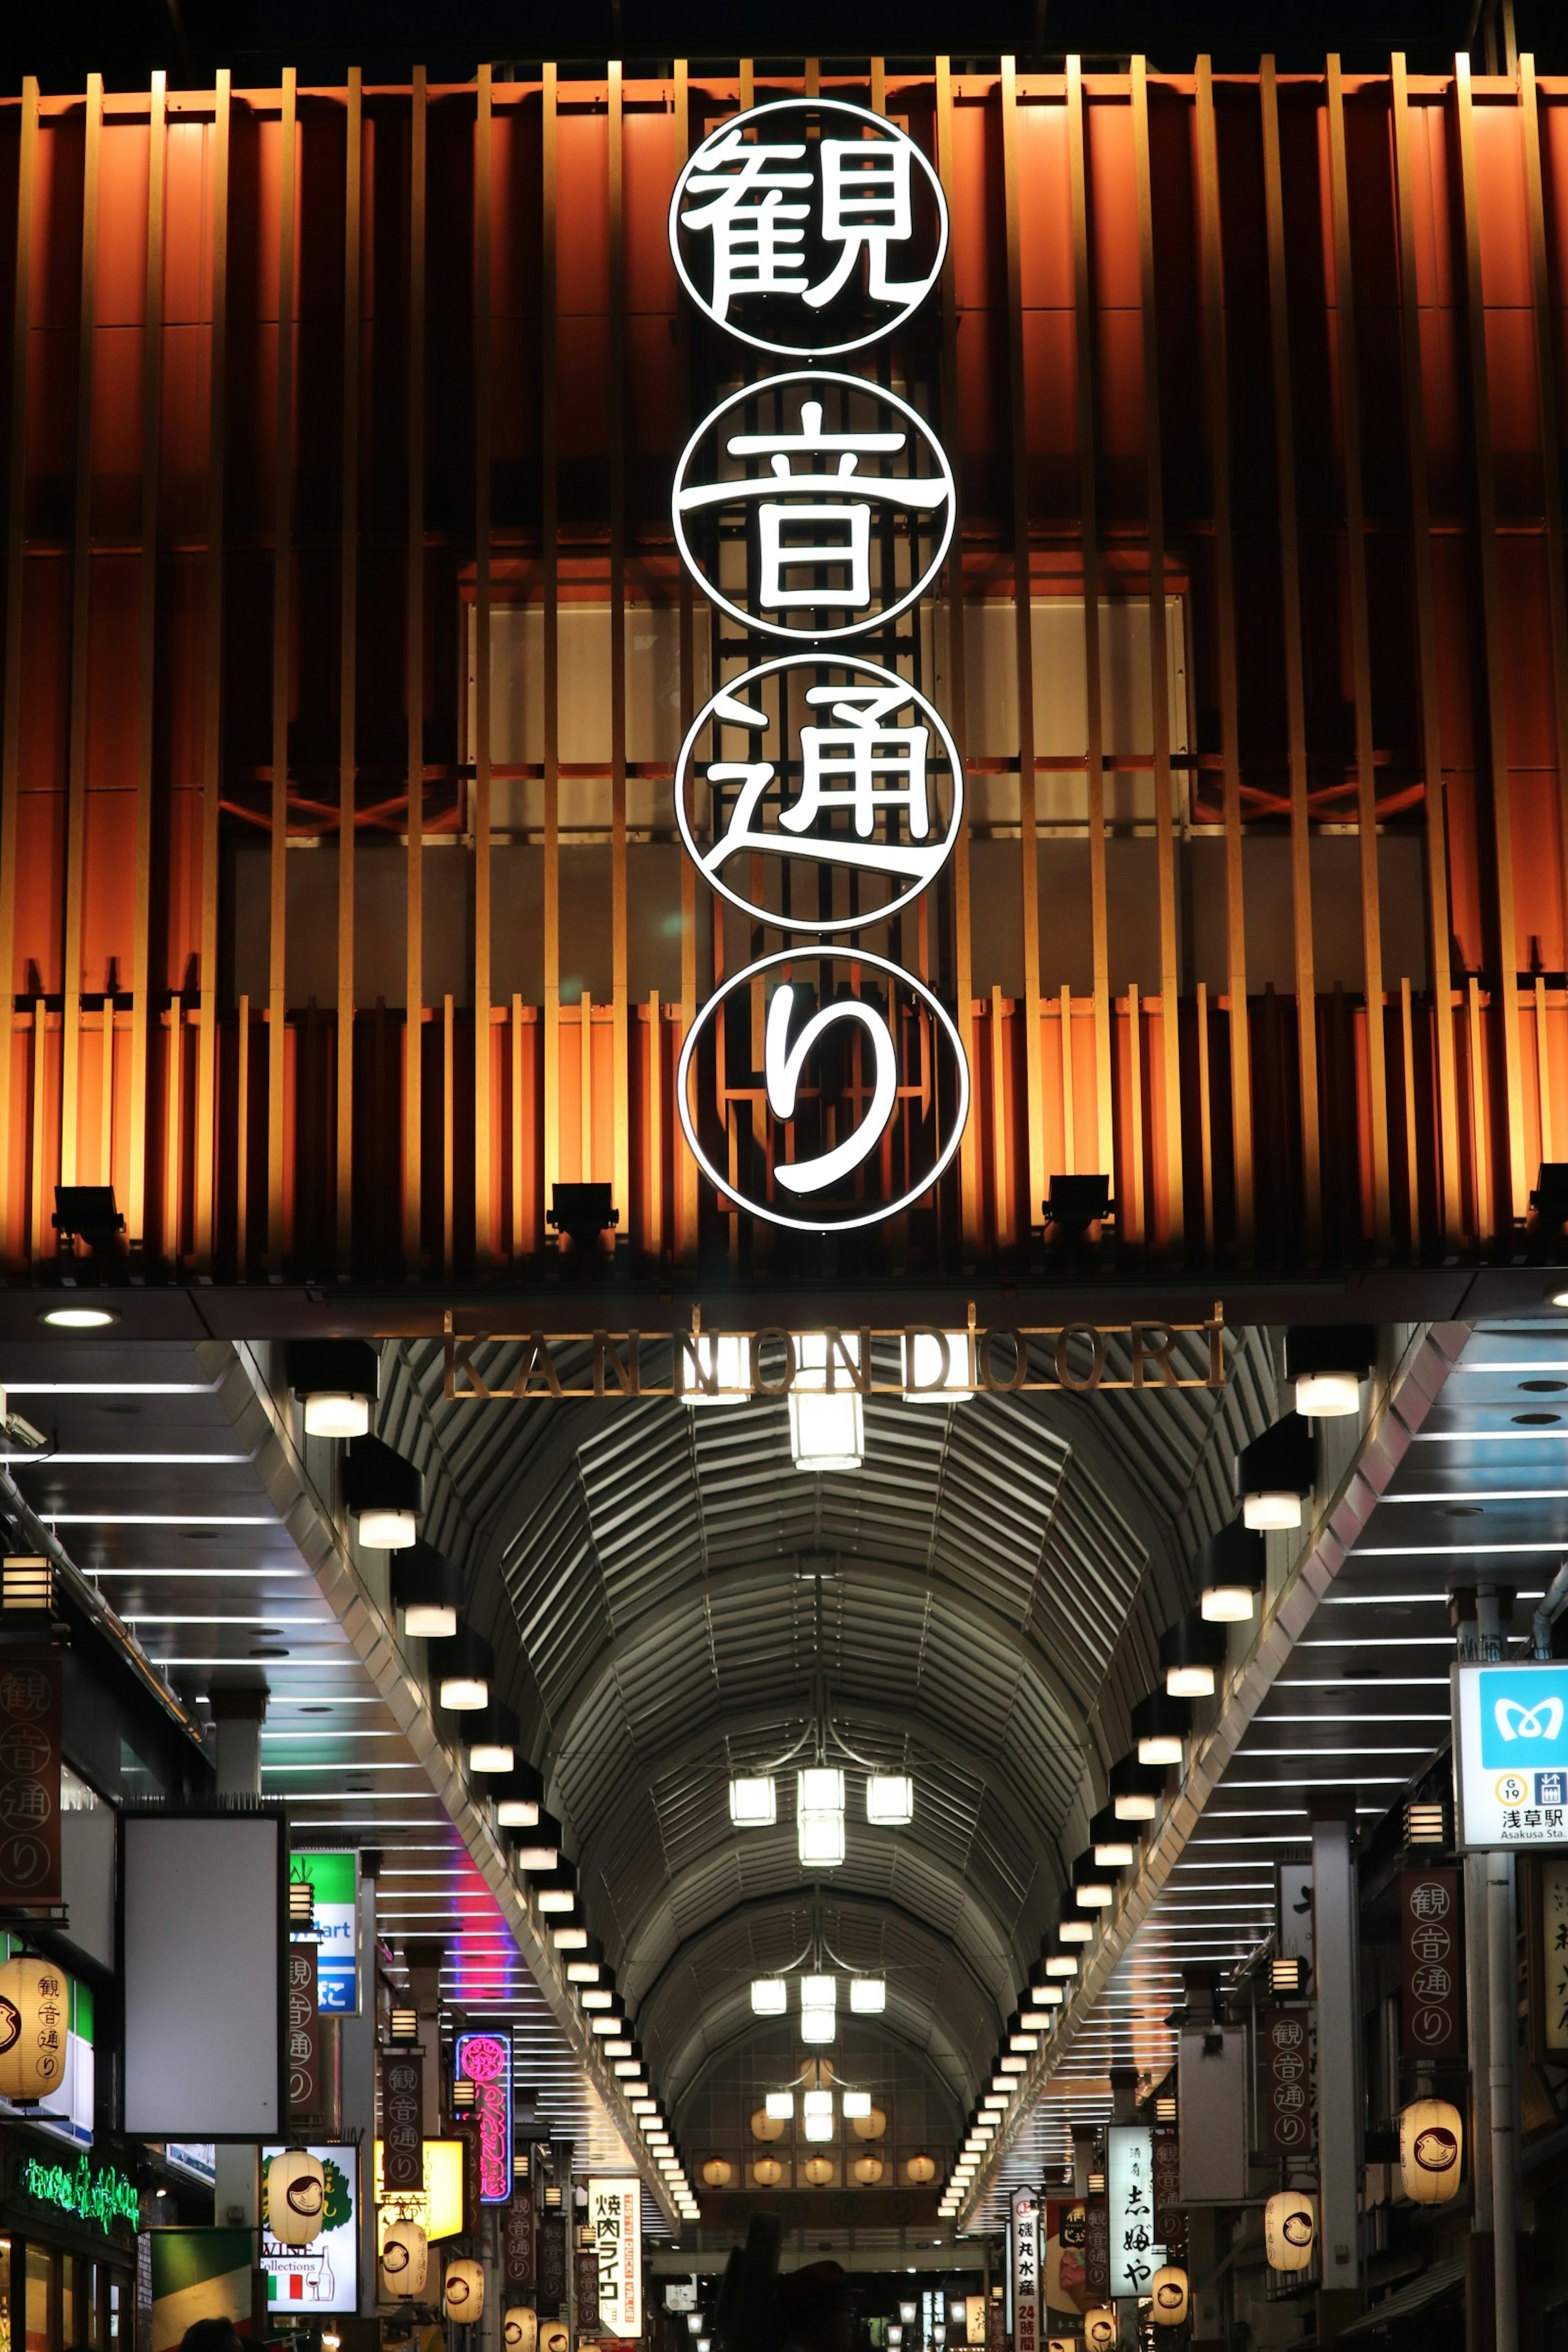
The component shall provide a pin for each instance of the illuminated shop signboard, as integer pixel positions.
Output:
(84, 2192)
(334, 1880)
(820, 792)
(485, 2061)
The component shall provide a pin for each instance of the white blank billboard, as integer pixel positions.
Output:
(204, 1955)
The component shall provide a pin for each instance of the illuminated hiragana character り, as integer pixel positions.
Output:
(865, 209)
(783, 1064)
(757, 237)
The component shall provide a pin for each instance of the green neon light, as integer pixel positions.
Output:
(104, 2196)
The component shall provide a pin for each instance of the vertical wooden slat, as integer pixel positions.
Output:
(1551, 456)
(348, 659)
(585, 1085)
(1225, 633)
(517, 1233)
(1206, 1118)
(1159, 670)
(1412, 1135)
(38, 1155)
(282, 552)
(242, 1146)
(1449, 1205)
(1510, 1193)
(1479, 1142)
(448, 1123)
(1069, 1125)
(212, 742)
(173, 1126)
(1295, 679)
(654, 1211)
(1136, 1229)
(619, 978)
(414, 691)
(1028, 850)
(551, 525)
(1542, 1069)
(1089, 509)
(685, 1186)
(81, 624)
(484, 1191)
(106, 1097)
(957, 698)
(1002, 1128)
(146, 662)
(15, 547)
(1361, 658)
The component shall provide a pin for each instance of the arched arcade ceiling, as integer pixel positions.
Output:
(984, 1598)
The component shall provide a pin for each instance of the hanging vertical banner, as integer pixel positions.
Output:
(1096, 2249)
(1170, 2220)
(485, 2059)
(403, 2122)
(550, 2244)
(615, 2219)
(1026, 2270)
(517, 2237)
(1553, 1951)
(304, 2033)
(585, 2290)
(1429, 1914)
(1285, 2088)
(1065, 2281)
(30, 1684)
(1135, 2254)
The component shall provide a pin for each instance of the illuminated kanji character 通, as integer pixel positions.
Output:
(872, 756)
(758, 238)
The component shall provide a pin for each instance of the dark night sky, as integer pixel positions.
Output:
(60, 40)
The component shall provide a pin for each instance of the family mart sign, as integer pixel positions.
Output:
(1511, 1753)
(334, 1877)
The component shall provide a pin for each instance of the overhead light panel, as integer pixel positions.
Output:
(890, 1799)
(826, 1431)
(868, 1995)
(819, 1817)
(755, 1801)
(855, 2103)
(770, 1996)
(779, 2106)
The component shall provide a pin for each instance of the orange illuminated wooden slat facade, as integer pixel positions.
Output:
(1275, 935)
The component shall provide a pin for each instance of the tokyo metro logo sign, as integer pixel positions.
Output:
(819, 793)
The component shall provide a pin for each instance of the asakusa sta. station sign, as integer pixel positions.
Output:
(819, 791)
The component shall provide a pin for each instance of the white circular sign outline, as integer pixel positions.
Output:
(779, 629)
(816, 1224)
(840, 923)
(881, 124)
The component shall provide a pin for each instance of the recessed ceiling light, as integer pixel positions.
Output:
(77, 1318)
(1537, 1420)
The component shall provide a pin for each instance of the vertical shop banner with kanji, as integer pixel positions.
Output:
(304, 2034)
(1096, 2249)
(1135, 2253)
(614, 2223)
(30, 1730)
(1285, 2082)
(550, 2240)
(403, 2122)
(517, 2238)
(1066, 2279)
(1169, 2219)
(485, 2061)
(1433, 1977)
(1026, 2214)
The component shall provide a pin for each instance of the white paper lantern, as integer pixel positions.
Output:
(405, 2262)
(554, 2335)
(296, 2197)
(1431, 2144)
(1290, 2228)
(520, 2329)
(1100, 2328)
(34, 2016)
(463, 2299)
(1168, 2293)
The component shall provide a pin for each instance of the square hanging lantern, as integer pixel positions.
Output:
(753, 1802)
(770, 1996)
(868, 1995)
(890, 1799)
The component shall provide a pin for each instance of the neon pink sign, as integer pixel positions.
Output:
(485, 2059)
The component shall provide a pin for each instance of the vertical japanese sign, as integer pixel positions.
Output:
(1285, 2083)
(403, 2122)
(1170, 2220)
(615, 2219)
(1096, 2249)
(1025, 2211)
(1065, 2285)
(1554, 1950)
(819, 791)
(517, 2237)
(1429, 1916)
(1135, 2253)
(30, 1684)
(485, 2059)
(304, 2033)
(551, 2242)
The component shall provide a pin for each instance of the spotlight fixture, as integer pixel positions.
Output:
(1191, 1652)
(826, 1427)
(1328, 1362)
(77, 1318)
(755, 1801)
(1159, 1726)
(1073, 1203)
(384, 1494)
(1231, 1568)
(1274, 1474)
(1287, 1974)
(338, 1381)
(429, 1591)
